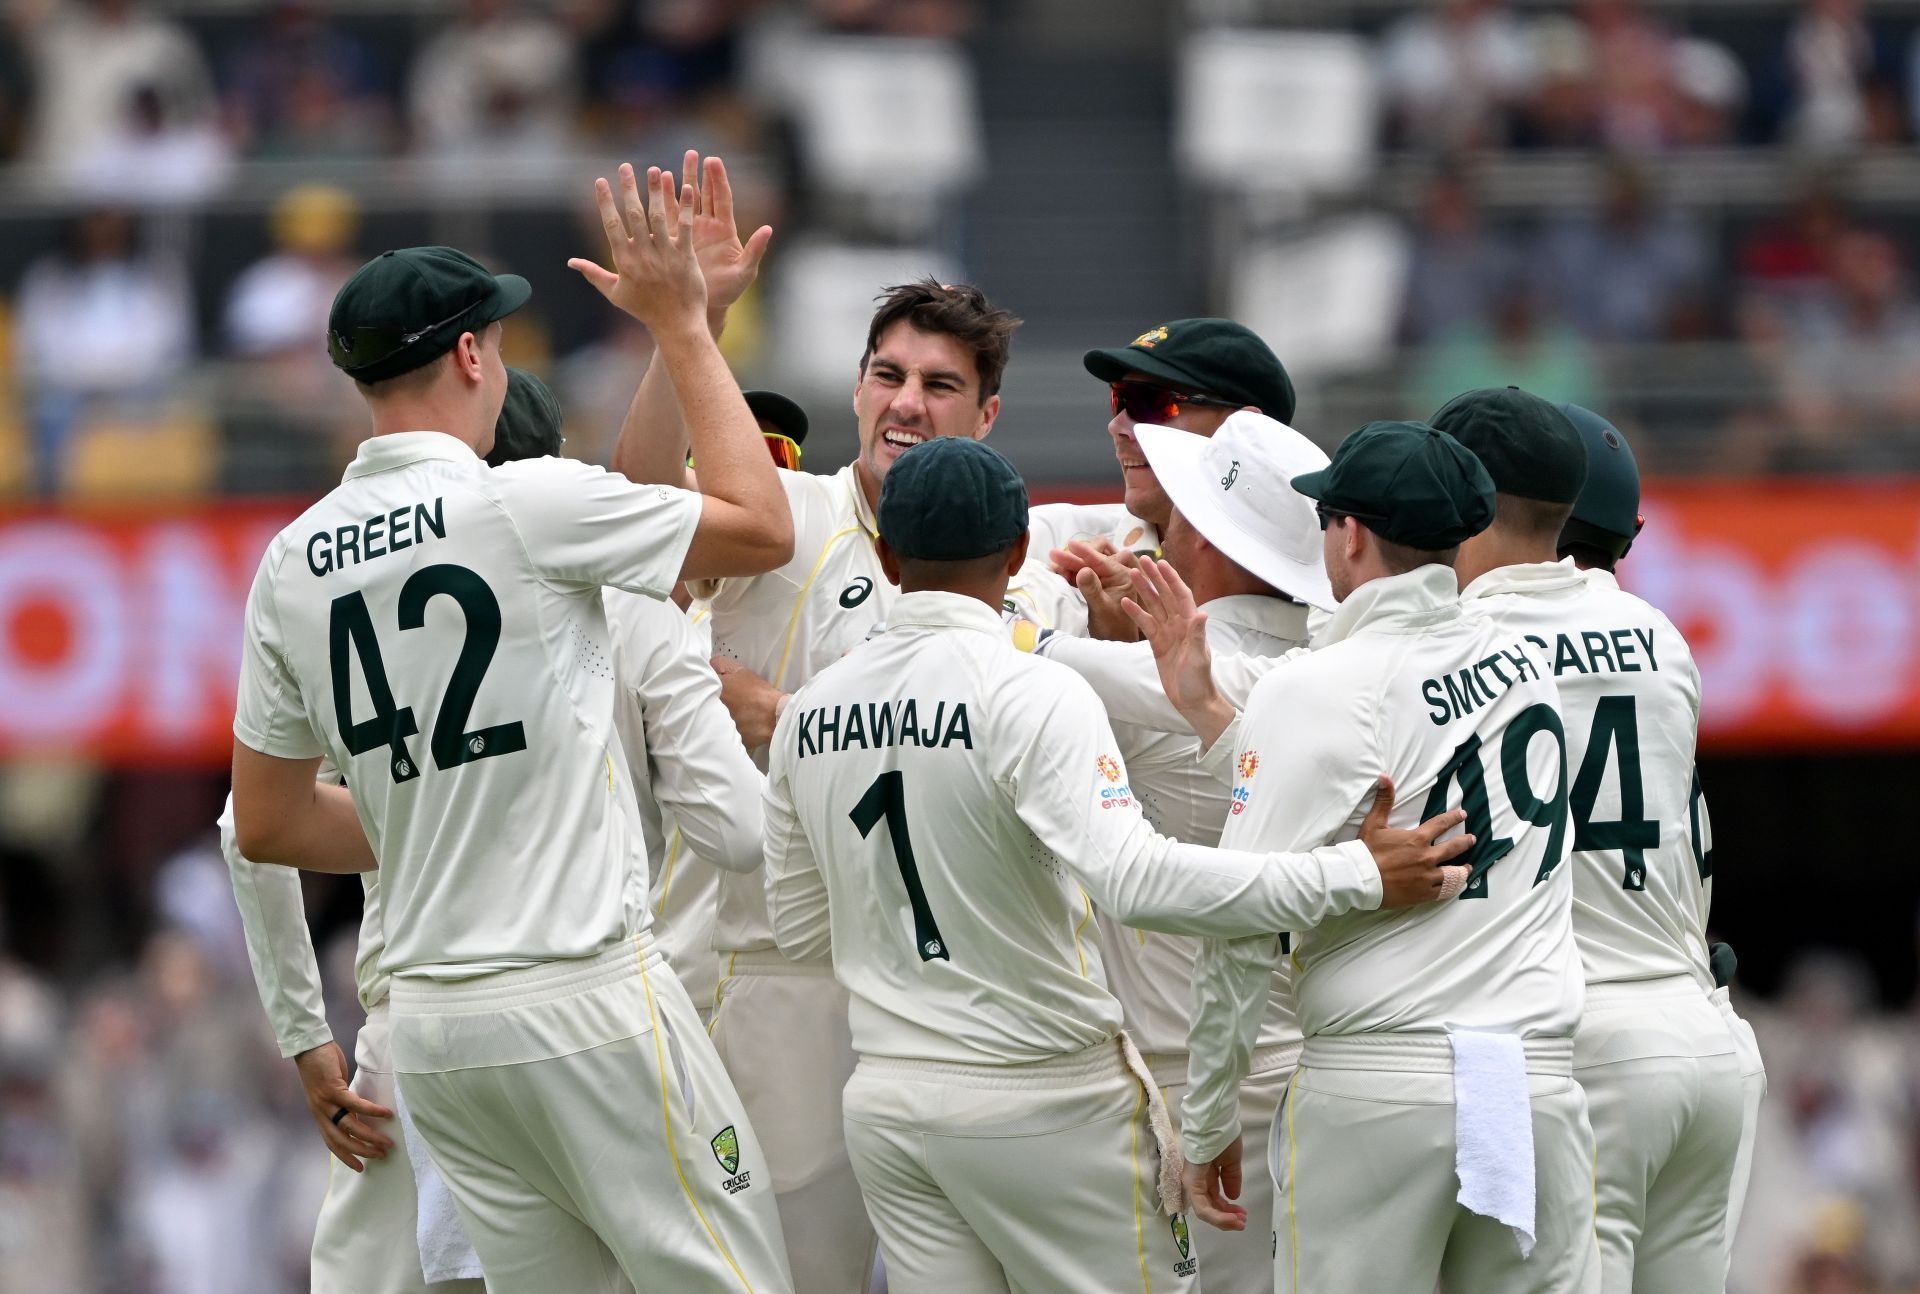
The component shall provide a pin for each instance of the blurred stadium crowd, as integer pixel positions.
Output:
(1702, 218)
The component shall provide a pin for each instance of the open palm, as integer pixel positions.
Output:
(728, 265)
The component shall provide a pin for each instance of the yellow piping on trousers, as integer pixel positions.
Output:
(1293, 1185)
(1139, 1227)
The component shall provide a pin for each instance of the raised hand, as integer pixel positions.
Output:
(728, 265)
(655, 276)
(1162, 608)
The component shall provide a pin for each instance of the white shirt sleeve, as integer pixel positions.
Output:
(1127, 681)
(700, 773)
(279, 946)
(1070, 788)
(269, 715)
(584, 525)
(1230, 989)
(796, 890)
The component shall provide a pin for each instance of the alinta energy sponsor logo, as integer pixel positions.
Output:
(1117, 794)
(1247, 766)
(1109, 767)
(726, 1152)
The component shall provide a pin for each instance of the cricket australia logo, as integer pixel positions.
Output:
(1147, 340)
(726, 1151)
(1188, 1264)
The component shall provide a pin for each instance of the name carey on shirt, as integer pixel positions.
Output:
(386, 532)
(874, 725)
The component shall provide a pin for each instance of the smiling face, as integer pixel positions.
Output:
(1144, 497)
(916, 385)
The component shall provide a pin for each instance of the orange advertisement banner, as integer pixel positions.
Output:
(120, 631)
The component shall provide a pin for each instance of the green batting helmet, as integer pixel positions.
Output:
(1606, 516)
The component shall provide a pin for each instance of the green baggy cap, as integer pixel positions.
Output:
(530, 420)
(950, 499)
(1606, 516)
(1526, 444)
(408, 307)
(1409, 483)
(1212, 357)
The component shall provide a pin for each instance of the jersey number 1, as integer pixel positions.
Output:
(350, 627)
(887, 798)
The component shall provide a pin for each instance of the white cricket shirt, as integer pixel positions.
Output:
(1630, 699)
(1151, 973)
(435, 628)
(1460, 713)
(787, 625)
(699, 794)
(943, 815)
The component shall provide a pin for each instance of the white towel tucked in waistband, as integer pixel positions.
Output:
(1172, 1183)
(446, 1252)
(1493, 1129)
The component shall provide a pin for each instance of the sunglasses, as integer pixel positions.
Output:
(1330, 515)
(785, 450)
(1145, 402)
(374, 343)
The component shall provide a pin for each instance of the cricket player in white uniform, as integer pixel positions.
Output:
(1435, 1086)
(1656, 1057)
(370, 1237)
(944, 815)
(1249, 548)
(556, 1071)
(931, 369)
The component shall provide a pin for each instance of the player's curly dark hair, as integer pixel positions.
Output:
(960, 311)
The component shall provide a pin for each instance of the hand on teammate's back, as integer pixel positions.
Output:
(1104, 575)
(1213, 1187)
(656, 276)
(323, 1073)
(1411, 865)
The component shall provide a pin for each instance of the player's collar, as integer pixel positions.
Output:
(397, 449)
(1528, 577)
(861, 512)
(935, 610)
(1262, 613)
(1600, 578)
(1421, 598)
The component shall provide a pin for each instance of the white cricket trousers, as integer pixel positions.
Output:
(364, 1242)
(780, 1028)
(1241, 1262)
(1664, 1094)
(1753, 1088)
(1015, 1179)
(1366, 1191)
(586, 1129)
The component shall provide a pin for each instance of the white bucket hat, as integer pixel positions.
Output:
(1235, 489)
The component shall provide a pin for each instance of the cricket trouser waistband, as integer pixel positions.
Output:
(771, 961)
(544, 982)
(1622, 992)
(1421, 1053)
(1169, 1068)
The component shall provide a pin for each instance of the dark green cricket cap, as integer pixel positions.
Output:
(1211, 357)
(530, 420)
(951, 499)
(788, 418)
(1527, 445)
(406, 308)
(1606, 516)
(1409, 483)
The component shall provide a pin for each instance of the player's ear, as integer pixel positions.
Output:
(1017, 555)
(889, 561)
(988, 412)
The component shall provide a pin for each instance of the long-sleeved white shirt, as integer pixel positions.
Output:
(1460, 713)
(1152, 973)
(699, 794)
(944, 813)
(1630, 699)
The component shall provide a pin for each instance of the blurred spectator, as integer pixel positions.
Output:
(655, 65)
(203, 1212)
(1520, 348)
(154, 156)
(1450, 76)
(1710, 93)
(1853, 371)
(302, 87)
(1793, 256)
(1459, 265)
(45, 1235)
(1635, 104)
(944, 19)
(90, 57)
(1627, 272)
(1831, 80)
(498, 85)
(1560, 112)
(99, 318)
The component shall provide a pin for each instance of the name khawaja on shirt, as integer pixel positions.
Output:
(878, 724)
(387, 532)
(1458, 694)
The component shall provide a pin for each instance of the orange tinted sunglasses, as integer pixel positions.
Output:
(1154, 405)
(785, 450)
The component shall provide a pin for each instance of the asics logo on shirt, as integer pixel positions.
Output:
(856, 592)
